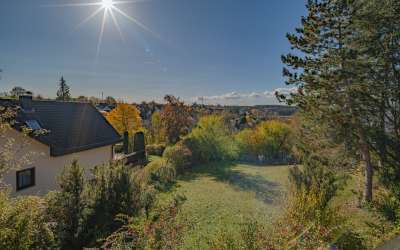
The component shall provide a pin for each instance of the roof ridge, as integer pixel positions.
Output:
(105, 119)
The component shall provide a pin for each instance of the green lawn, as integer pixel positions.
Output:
(220, 197)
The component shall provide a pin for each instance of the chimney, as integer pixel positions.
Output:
(25, 101)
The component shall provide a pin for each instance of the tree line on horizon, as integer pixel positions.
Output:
(63, 94)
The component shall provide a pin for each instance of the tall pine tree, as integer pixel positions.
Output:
(378, 43)
(63, 92)
(326, 68)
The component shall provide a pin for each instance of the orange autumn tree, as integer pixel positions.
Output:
(176, 118)
(125, 117)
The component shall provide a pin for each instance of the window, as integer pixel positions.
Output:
(25, 178)
(33, 124)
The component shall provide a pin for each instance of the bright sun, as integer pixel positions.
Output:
(107, 4)
(108, 8)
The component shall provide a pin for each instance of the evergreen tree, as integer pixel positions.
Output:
(327, 69)
(111, 192)
(67, 205)
(378, 43)
(63, 92)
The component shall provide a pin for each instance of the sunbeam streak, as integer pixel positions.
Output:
(117, 25)
(101, 34)
(73, 5)
(108, 7)
(129, 1)
(136, 22)
(89, 17)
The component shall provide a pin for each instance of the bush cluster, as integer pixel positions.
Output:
(158, 173)
(310, 220)
(268, 142)
(24, 224)
(252, 237)
(85, 210)
(161, 231)
(178, 156)
(155, 149)
(211, 140)
(388, 204)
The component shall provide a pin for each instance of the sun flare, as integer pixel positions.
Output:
(108, 8)
(107, 4)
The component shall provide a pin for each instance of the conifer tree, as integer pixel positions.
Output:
(63, 92)
(378, 48)
(67, 206)
(327, 70)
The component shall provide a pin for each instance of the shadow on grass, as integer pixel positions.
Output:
(265, 190)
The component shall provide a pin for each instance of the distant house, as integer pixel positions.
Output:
(105, 108)
(74, 131)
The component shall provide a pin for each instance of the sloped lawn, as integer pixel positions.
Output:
(220, 197)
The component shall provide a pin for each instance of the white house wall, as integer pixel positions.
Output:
(47, 168)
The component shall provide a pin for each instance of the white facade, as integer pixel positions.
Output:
(46, 167)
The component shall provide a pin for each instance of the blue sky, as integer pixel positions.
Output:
(227, 51)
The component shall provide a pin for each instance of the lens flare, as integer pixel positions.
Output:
(108, 7)
(107, 4)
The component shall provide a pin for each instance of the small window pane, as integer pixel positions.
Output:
(33, 124)
(25, 178)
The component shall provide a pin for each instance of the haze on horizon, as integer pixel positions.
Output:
(224, 51)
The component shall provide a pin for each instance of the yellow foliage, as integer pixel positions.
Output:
(157, 129)
(125, 117)
(268, 138)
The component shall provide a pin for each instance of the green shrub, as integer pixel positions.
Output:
(388, 205)
(147, 199)
(178, 156)
(110, 192)
(155, 149)
(225, 241)
(24, 223)
(67, 205)
(269, 141)
(161, 231)
(350, 240)
(245, 140)
(252, 237)
(211, 140)
(309, 220)
(85, 210)
(160, 174)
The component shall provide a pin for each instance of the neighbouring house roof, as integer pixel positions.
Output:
(72, 126)
(105, 107)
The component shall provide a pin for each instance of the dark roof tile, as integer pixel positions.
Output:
(73, 126)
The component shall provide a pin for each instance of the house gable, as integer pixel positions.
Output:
(72, 127)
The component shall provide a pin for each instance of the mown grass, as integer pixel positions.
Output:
(223, 196)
